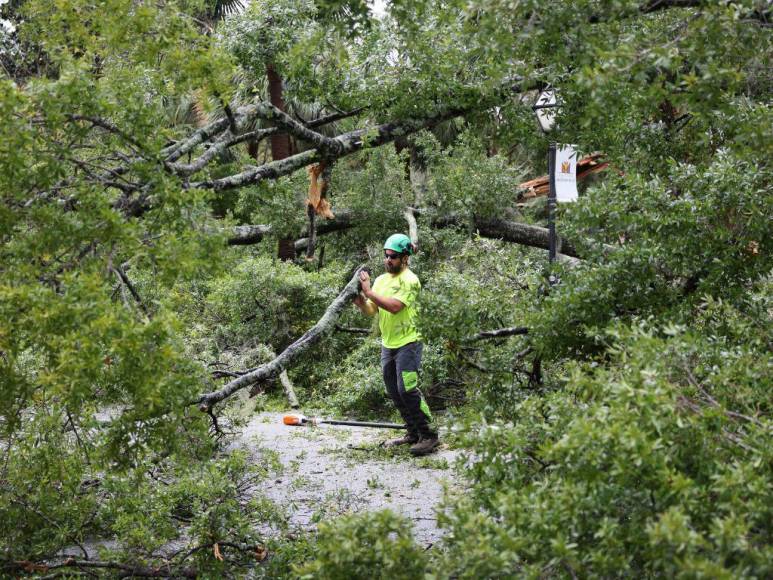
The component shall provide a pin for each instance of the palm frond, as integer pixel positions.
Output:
(225, 8)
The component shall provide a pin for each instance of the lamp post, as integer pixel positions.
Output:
(545, 109)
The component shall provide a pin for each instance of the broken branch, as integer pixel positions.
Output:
(291, 353)
(500, 333)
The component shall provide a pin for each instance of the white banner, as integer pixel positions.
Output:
(566, 173)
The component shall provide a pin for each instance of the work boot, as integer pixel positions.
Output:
(426, 445)
(407, 439)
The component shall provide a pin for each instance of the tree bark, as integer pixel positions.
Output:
(346, 144)
(288, 387)
(518, 233)
(496, 228)
(245, 235)
(289, 390)
(413, 228)
(248, 234)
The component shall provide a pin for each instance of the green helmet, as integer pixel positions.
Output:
(399, 243)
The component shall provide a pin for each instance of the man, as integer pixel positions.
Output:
(393, 296)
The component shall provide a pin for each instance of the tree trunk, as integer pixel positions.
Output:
(280, 144)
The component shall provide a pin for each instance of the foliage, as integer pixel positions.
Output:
(484, 192)
(355, 387)
(206, 497)
(654, 463)
(643, 443)
(483, 285)
(700, 231)
(372, 545)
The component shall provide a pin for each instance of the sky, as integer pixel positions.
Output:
(4, 24)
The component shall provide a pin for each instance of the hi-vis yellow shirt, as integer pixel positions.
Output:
(398, 329)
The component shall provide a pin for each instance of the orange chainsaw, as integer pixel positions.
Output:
(298, 419)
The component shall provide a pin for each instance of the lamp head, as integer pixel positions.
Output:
(546, 108)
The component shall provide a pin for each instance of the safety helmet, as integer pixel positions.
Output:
(399, 243)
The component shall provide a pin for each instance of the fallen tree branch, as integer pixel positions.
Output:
(288, 387)
(273, 368)
(216, 149)
(252, 234)
(518, 233)
(289, 390)
(352, 330)
(124, 570)
(529, 235)
(329, 149)
(500, 333)
(523, 234)
(169, 567)
(495, 228)
(413, 228)
(275, 115)
(311, 241)
(248, 234)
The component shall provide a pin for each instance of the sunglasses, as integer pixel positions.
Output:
(389, 256)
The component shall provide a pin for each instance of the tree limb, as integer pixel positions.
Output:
(347, 144)
(496, 228)
(413, 228)
(245, 235)
(518, 233)
(184, 169)
(248, 234)
(311, 241)
(291, 353)
(500, 332)
(288, 387)
(352, 330)
(275, 115)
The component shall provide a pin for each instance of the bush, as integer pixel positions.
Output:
(700, 230)
(369, 545)
(658, 464)
(355, 386)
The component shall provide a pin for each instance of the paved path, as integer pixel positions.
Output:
(331, 470)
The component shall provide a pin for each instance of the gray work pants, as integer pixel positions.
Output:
(400, 367)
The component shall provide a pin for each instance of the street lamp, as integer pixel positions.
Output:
(545, 108)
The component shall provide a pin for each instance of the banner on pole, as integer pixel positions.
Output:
(565, 170)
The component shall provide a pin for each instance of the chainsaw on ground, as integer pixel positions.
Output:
(297, 419)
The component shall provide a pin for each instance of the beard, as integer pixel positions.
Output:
(393, 267)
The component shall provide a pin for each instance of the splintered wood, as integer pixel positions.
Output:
(317, 190)
(586, 166)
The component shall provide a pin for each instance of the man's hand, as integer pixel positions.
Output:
(365, 282)
(361, 300)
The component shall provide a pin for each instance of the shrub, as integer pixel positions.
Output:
(650, 466)
(369, 545)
